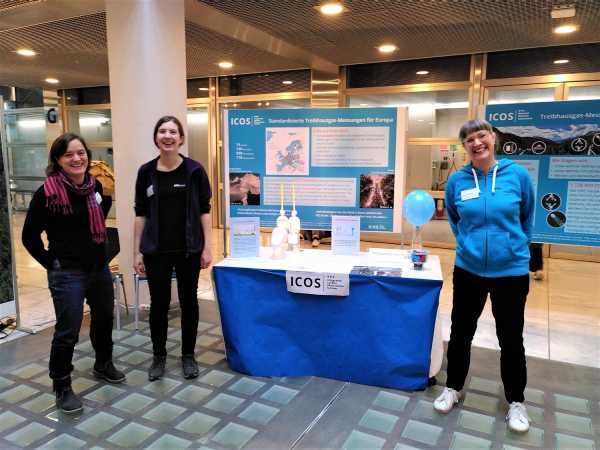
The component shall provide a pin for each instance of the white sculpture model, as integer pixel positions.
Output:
(279, 235)
(294, 225)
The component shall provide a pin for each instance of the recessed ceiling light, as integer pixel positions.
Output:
(203, 89)
(565, 29)
(51, 80)
(364, 104)
(287, 82)
(267, 103)
(561, 61)
(26, 52)
(331, 9)
(422, 72)
(225, 65)
(387, 48)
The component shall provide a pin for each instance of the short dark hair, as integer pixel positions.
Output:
(471, 126)
(59, 148)
(165, 119)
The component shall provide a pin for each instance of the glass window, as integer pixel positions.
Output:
(431, 114)
(93, 125)
(26, 128)
(584, 92)
(28, 161)
(197, 138)
(500, 96)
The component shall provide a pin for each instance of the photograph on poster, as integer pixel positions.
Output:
(244, 188)
(287, 151)
(377, 190)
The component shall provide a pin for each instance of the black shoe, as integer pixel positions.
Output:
(190, 366)
(157, 369)
(67, 401)
(107, 371)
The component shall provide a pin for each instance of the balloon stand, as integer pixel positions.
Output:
(417, 241)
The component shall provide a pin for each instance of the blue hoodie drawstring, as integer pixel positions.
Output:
(493, 179)
(476, 181)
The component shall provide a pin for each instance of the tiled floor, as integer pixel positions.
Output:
(222, 409)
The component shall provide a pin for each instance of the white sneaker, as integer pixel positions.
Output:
(517, 417)
(446, 401)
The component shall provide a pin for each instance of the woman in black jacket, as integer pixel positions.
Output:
(71, 209)
(172, 232)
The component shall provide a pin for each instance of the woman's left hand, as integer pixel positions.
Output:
(205, 258)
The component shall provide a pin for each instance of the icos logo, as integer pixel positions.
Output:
(501, 116)
(248, 121)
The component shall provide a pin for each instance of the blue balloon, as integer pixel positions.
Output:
(418, 207)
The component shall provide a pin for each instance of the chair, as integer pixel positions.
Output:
(112, 250)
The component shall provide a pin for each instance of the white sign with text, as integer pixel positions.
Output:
(318, 283)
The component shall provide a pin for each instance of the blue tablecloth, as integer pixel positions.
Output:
(380, 334)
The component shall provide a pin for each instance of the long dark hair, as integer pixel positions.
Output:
(59, 148)
(165, 119)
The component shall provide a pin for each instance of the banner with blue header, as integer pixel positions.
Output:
(330, 161)
(559, 144)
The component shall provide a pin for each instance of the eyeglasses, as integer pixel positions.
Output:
(479, 135)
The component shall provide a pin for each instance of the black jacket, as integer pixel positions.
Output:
(146, 205)
(70, 244)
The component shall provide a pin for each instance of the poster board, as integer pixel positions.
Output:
(339, 161)
(559, 144)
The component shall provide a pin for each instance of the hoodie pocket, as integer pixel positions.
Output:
(472, 248)
(499, 252)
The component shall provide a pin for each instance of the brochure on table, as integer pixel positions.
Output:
(345, 235)
(559, 144)
(339, 161)
(244, 237)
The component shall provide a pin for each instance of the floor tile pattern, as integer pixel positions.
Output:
(222, 409)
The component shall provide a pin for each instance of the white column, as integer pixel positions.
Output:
(147, 69)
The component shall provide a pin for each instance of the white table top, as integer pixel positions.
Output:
(311, 260)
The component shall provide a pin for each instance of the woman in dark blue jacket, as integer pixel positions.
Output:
(172, 232)
(490, 209)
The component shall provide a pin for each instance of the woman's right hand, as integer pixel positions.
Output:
(138, 264)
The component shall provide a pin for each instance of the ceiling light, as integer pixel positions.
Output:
(287, 82)
(267, 103)
(422, 72)
(331, 9)
(561, 61)
(364, 104)
(203, 89)
(387, 48)
(26, 52)
(565, 29)
(562, 11)
(51, 80)
(225, 65)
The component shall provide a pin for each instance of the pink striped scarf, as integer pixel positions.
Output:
(57, 201)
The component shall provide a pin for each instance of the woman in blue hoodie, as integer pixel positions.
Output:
(490, 209)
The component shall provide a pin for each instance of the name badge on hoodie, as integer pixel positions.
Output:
(98, 198)
(469, 194)
(149, 191)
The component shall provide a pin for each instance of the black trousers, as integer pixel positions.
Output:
(159, 269)
(508, 296)
(69, 289)
(536, 262)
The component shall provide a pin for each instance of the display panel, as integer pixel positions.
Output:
(335, 161)
(559, 144)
